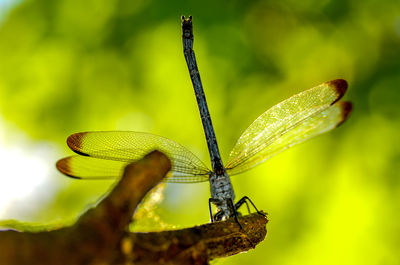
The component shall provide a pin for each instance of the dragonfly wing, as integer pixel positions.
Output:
(83, 167)
(292, 121)
(126, 147)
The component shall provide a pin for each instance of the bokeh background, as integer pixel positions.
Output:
(68, 66)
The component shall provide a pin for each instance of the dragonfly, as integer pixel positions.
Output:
(104, 154)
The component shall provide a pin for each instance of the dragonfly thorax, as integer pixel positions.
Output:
(222, 194)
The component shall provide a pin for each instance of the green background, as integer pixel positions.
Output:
(70, 66)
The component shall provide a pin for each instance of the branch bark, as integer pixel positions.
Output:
(100, 235)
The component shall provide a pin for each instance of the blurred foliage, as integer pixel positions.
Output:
(70, 66)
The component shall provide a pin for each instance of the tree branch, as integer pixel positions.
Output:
(199, 244)
(100, 235)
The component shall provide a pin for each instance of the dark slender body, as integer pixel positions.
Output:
(222, 194)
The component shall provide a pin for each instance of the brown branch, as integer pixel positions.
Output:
(100, 235)
(199, 244)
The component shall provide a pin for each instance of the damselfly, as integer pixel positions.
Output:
(103, 155)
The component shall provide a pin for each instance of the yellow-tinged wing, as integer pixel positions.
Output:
(105, 154)
(292, 121)
(84, 167)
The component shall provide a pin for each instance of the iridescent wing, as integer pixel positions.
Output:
(290, 122)
(105, 155)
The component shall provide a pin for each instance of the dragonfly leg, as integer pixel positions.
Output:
(244, 200)
(247, 206)
(218, 215)
(221, 214)
(235, 212)
(210, 200)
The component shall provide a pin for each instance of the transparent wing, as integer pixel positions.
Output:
(313, 126)
(84, 167)
(292, 121)
(126, 147)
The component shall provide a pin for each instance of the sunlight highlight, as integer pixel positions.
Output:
(22, 172)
